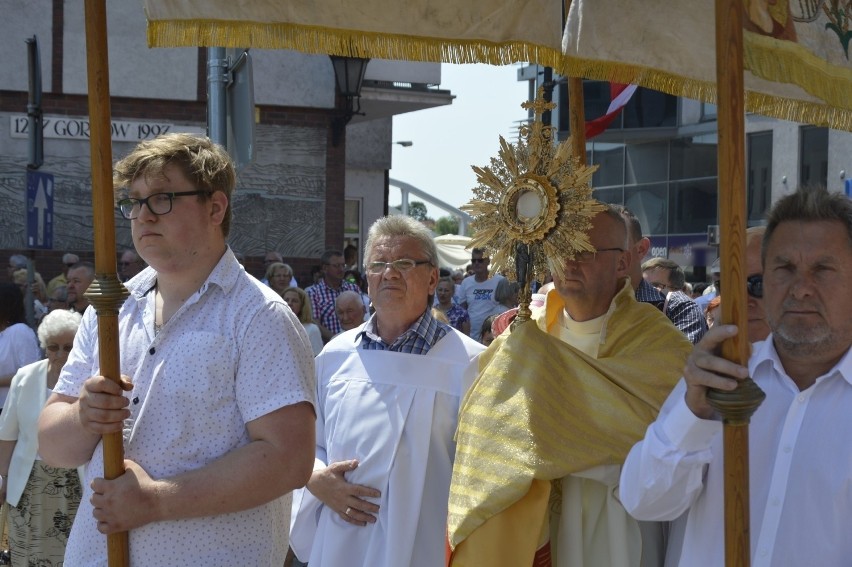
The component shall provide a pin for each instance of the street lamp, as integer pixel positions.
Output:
(405, 143)
(349, 76)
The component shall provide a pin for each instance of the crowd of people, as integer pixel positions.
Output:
(390, 412)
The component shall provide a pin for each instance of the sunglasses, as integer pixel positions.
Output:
(478, 260)
(754, 285)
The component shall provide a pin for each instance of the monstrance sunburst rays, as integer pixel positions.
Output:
(532, 207)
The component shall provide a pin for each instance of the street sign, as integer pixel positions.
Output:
(39, 209)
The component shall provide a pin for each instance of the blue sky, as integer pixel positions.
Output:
(448, 140)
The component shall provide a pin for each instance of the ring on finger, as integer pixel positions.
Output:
(348, 510)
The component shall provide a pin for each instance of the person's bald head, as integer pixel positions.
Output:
(350, 309)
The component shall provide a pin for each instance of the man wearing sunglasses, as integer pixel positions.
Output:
(216, 400)
(799, 449)
(388, 396)
(758, 327)
(477, 292)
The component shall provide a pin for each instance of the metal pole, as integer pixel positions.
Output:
(217, 107)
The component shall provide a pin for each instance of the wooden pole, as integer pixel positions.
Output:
(106, 293)
(735, 407)
(577, 118)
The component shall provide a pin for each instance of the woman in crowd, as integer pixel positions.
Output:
(456, 314)
(506, 296)
(18, 343)
(713, 311)
(43, 499)
(300, 304)
(279, 275)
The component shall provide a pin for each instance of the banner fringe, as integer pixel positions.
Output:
(825, 81)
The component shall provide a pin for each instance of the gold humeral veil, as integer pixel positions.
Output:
(541, 410)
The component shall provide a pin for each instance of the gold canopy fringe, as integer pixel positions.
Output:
(789, 62)
(759, 103)
(826, 81)
(348, 43)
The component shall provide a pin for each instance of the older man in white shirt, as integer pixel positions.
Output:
(800, 455)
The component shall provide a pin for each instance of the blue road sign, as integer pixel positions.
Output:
(39, 209)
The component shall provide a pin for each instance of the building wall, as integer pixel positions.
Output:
(650, 172)
(292, 197)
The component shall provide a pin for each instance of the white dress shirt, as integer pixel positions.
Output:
(232, 353)
(800, 472)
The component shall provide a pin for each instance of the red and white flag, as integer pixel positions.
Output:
(620, 95)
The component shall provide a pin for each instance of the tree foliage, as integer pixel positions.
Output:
(417, 210)
(447, 225)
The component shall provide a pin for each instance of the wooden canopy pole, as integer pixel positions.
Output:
(736, 407)
(106, 293)
(577, 118)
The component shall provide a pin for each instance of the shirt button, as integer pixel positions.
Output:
(787, 449)
(136, 400)
(152, 350)
(775, 502)
(802, 399)
(764, 552)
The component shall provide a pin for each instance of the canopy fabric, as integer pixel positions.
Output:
(485, 31)
(797, 66)
(452, 251)
(796, 53)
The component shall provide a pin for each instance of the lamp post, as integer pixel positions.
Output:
(348, 76)
(405, 143)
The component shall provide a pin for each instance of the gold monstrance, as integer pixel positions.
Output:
(533, 206)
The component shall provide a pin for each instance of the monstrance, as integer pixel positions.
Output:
(533, 206)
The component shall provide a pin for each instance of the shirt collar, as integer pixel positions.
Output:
(423, 327)
(765, 353)
(224, 274)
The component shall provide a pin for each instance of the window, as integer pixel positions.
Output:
(694, 157)
(759, 179)
(813, 156)
(610, 157)
(352, 225)
(693, 205)
(650, 109)
(646, 163)
(649, 203)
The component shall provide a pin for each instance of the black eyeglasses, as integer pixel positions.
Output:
(55, 348)
(478, 260)
(754, 285)
(589, 257)
(402, 265)
(158, 203)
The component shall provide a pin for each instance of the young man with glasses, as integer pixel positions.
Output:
(216, 402)
(477, 292)
(324, 293)
(561, 399)
(388, 394)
